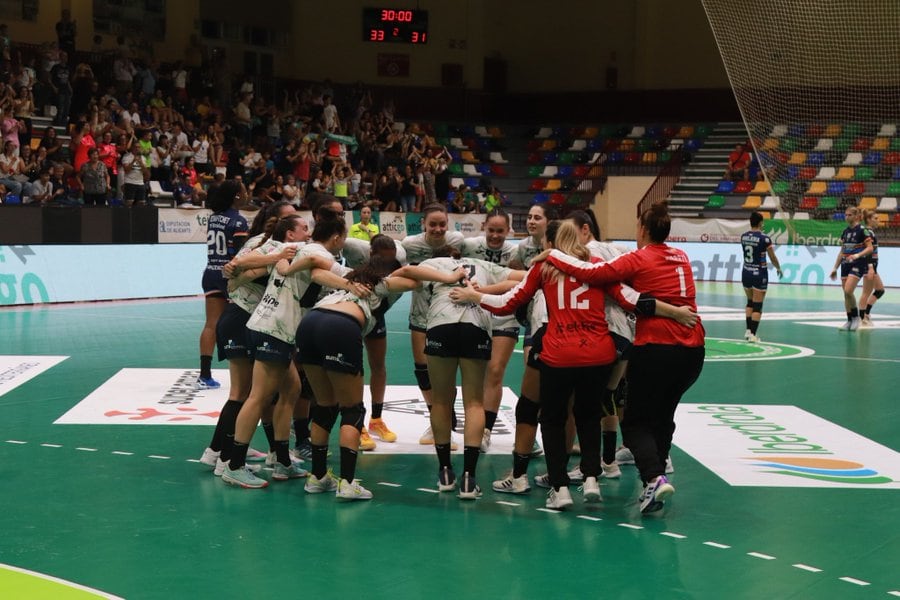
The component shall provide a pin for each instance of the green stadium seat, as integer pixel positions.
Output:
(715, 201)
(893, 189)
(829, 203)
(864, 173)
(780, 188)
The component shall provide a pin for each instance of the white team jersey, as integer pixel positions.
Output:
(528, 249)
(279, 312)
(618, 319)
(477, 247)
(417, 250)
(368, 305)
(356, 252)
(442, 310)
(248, 295)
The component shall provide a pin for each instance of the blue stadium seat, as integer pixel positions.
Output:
(725, 187)
(836, 188)
(815, 158)
(541, 198)
(872, 158)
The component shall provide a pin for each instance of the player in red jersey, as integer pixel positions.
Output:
(667, 357)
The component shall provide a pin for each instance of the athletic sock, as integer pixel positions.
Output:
(849, 314)
(376, 410)
(854, 313)
(319, 460)
(470, 459)
(748, 322)
(609, 447)
(269, 428)
(238, 455)
(443, 454)
(490, 417)
(283, 452)
(225, 424)
(520, 464)
(754, 326)
(869, 309)
(206, 366)
(301, 430)
(348, 463)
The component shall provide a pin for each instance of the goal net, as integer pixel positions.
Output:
(818, 86)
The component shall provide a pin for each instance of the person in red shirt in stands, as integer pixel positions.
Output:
(667, 357)
(738, 164)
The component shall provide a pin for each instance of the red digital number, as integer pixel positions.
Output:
(404, 15)
(385, 15)
(376, 35)
(396, 32)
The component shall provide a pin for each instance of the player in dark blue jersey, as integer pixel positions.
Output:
(856, 246)
(226, 232)
(755, 246)
(873, 286)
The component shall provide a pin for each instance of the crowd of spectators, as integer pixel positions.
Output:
(122, 121)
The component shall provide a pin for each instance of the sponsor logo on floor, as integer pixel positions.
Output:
(721, 349)
(16, 370)
(782, 446)
(169, 397)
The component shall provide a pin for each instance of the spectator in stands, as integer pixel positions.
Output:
(82, 142)
(5, 42)
(494, 199)
(66, 32)
(330, 118)
(201, 147)
(10, 174)
(342, 174)
(94, 180)
(180, 82)
(42, 189)
(243, 120)
(62, 88)
(364, 230)
(124, 72)
(30, 166)
(62, 192)
(53, 145)
(23, 109)
(442, 175)
(109, 154)
(387, 190)
(136, 174)
(10, 128)
(738, 164)
(464, 201)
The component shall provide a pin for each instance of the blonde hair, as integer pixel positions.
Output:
(566, 239)
(851, 213)
(867, 214)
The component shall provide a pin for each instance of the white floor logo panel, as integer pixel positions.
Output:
(782, 446)
(16, 370)
(168, 397)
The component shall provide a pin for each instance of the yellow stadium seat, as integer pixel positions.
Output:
(761, 187)
(845, 173)
(752, 203)
(797, 158)
(881, 143)
(868, 202)
(591, 132)
(35, 143)
(467, 156)
(770, 144)
(765, 214)
(883, 219)
(548, 145)
(832, 131)
(817, 187)
(553, 185)
(686, 131)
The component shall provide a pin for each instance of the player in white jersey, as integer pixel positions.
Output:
(357, 252)
(494, 248)
(273, 327)
(458, 337)
(331, 356)
(245, 289)
(421, 247)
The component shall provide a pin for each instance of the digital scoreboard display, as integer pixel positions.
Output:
(395, 25)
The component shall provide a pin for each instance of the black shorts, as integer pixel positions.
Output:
(510, 332)
(458, 340)
(533, 360)
(214, 283)
(874, 264)
(379, 332)
(331, 340)
(756, 279)
(623, 345)
(267, 348)
(857, 268)
(134, 192)
(231, 333)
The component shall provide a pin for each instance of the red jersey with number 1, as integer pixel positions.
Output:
(657, 270)
(577, 334)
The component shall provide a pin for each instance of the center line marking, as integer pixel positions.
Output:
(677, 536)
(428, 490)
(550, 510)
(587, 518)
(803, 567)
(630, 526)
(15, 442)
(717, 545)
(894, 593)
(159, 457)
(122, 453)
(505, 503)
(193, 460)
(87, 449)
(388, 484)
(51, 445)
(760, 555)
(854, 581)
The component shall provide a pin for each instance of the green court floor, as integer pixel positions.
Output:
(126, 509)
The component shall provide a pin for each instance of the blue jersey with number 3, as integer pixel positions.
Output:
(755, 245)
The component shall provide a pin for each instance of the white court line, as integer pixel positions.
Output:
(883, 360)
(122, 453)
(158, 456)
(587, 518)
(630, 526)
(894, 593)
(854, 581)
(52, 445)
(388, 484)
(803, 567)
(428, 490)
(505, 503)
(717, 545)
(193, 460)
(677, 536)
(15, 442)
(550, 510)
(760, 555)
(87, 449)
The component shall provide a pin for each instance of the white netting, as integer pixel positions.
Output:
(818, 84)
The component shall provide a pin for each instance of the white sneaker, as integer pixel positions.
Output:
(854, 324)
(283, 473)
(624, 456)
(611, 470)
(512, 485)
(845, 326)
(866, 323)
(542, 480)
(427, 438)
(209, 457)
(486, 440)
(244, 478)
(272, 459)
(221, 466)
(575, 475)
(559, 499)
(351, 490)
(654, 495)
(314, 485)
(254, 455)
(670, 468)
(747, 335)
(591, 490)
(753, 338)
(468, 489)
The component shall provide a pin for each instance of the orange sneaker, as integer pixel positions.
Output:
(365, 440)
(379, 429)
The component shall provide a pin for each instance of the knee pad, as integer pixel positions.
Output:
(749, 303)
(422, 378)
(527, 411)
(323, 416)
(354, 416)
(878, 293)
(757, 306)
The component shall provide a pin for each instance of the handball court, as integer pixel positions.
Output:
(100, 432)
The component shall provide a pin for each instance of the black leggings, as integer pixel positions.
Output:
(557, 386)
(658, 375)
